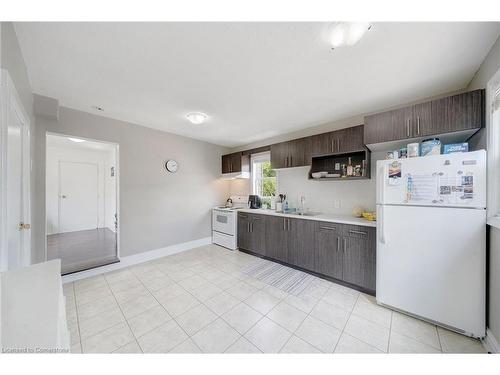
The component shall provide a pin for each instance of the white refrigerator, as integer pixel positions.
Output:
(431, 238)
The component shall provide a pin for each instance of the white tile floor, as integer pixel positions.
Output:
(199, 301)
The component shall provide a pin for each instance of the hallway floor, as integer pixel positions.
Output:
(204, 301)
(82, 250)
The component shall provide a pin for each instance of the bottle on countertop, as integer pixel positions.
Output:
(350, 170)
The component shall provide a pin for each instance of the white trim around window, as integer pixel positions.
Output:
(493, 136)
(256, 158)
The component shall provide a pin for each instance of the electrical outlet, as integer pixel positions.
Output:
(336, 203)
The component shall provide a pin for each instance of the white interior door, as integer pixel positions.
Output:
(14, 190)
(15, 238)
(78, 196)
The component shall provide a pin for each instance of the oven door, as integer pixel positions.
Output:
(223, 221)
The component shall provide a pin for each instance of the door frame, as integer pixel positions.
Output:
(117, 191)
(9, 100)
(59, 191)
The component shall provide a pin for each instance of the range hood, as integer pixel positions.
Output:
(235, 175)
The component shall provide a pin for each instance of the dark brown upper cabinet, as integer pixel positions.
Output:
(388, 126)
(279, 155)
(462, 112)
(235, 162)
(351, 139)
(296, 153)
(324, 144)
(337, 142)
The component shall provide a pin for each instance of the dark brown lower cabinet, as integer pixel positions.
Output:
(301, 243)
(244, 231)
(277, 237)
(328, 250)
(252, 233)
(343, 252)
(258, 234)
(359, 256)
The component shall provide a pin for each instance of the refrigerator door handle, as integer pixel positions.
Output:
(380, 224)
(381, 175)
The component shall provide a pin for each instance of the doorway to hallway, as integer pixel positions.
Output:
(81, 202)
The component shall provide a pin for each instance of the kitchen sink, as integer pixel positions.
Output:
(304, 213)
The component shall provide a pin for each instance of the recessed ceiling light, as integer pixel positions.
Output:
(98, 108)
(347, 33)
(77, 140)
(196, 118)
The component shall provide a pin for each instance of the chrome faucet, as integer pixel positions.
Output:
(302, 204)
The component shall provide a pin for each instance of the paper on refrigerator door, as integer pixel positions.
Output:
(456, 189)
(421, 188)
(394, 173)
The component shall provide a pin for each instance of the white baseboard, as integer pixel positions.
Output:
(491, 343)
(138, 258)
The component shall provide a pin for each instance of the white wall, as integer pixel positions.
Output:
(321, 196)
(157, 208)
(107, 196)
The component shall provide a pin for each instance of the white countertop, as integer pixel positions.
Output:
(333, 218)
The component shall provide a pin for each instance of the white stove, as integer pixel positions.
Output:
(225, 223)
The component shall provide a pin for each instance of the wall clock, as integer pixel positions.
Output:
(171, 166)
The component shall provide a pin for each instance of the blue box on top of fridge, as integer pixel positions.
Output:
(430, 147)
(456, 147)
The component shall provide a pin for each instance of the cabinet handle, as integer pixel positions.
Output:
(333, 148)
(338, 244)
(357, 232)
(408, 127)
(327, 228)
(288, 224)
(291, 158)
(418, 125)
(345, 244)
(251, 226)
(245, 216)
(338, 144)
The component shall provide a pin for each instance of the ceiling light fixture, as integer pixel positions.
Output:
(77, 140)
(196, 118)
(347, 33)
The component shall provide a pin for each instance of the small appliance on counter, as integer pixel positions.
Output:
(254, 202)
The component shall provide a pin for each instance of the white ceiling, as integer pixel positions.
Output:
(254, 80)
